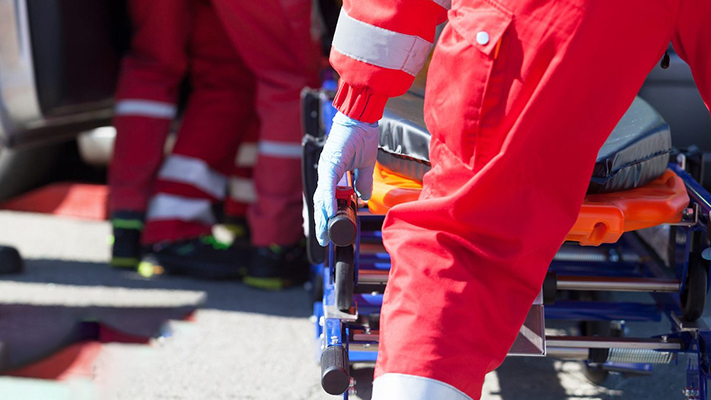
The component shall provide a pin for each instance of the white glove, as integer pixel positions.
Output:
(351, 146)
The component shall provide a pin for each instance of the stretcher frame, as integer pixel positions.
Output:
(345, 332)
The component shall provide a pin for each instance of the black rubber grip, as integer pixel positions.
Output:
(342, 227)
(550, 288)
(598, 356)
(335, 378)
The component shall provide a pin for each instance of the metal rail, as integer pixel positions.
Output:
(587, 283)
(617, 284)
(570, 344)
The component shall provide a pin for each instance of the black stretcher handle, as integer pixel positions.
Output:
(342, 229)
(335, 377)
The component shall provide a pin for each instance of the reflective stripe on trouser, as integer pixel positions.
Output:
(218, 116)
(401, 386)
(171, 207)
(241, 193)
(284, 59)
(146, 93)
(193, 172)
(145, 108)
(171, 217)
(512, 151)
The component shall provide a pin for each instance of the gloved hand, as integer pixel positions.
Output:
(351, 146)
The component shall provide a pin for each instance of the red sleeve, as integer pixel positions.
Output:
(379, 47)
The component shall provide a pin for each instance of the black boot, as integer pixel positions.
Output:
(202, 257)
(278, 267)
(127, 228)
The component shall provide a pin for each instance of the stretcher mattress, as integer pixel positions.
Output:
(635, 154)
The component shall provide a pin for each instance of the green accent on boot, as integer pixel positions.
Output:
(124, 262)
(127, 224)
(273, 284)
(216, 244)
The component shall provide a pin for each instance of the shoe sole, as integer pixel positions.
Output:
(272, 284)
(174, 266)
(124, 262)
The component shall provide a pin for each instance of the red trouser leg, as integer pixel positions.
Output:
(145, 100)
(691, 41)
(219, 111)
(240, 190)
(515, 133)
(274, 39)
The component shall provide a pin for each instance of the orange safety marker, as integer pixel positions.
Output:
(603, 218)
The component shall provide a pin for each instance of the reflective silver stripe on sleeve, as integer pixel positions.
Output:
(193, 172)
(446, 4)
(171, 207)
(246, 155)
(401, 386)
(380, 47)
(145, 108)
(279, 149)
(242, 190)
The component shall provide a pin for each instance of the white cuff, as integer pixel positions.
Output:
(411, 387)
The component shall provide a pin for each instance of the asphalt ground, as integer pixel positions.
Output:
(243, 343)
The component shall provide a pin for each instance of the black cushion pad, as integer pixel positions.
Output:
(636, 152)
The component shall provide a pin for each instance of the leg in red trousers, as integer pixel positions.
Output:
(194, 178)
(274, 38)
(219, 112)
(516, 128)
(146, 99)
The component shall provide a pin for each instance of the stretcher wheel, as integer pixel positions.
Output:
(595, 373)
(693, 298)
(335, 376)
(344, 277)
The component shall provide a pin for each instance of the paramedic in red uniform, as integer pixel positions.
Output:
(241, 63)
(277, 43)
(173, 38)
(520, 97)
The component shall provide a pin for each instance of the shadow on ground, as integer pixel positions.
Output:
(546, 379)
(221, 295)
(517, 378)
(515, 382)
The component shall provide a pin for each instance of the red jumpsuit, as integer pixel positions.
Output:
(171, 38)
(520, 97)
(276, 41)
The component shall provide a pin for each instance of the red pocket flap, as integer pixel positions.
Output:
(481, 22)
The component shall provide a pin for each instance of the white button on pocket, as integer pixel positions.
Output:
(482, 38)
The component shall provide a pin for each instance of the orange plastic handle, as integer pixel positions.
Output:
(603, 218)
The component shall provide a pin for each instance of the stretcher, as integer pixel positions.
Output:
(644, 227)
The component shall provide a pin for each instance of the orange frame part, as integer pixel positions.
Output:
(603, 218)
